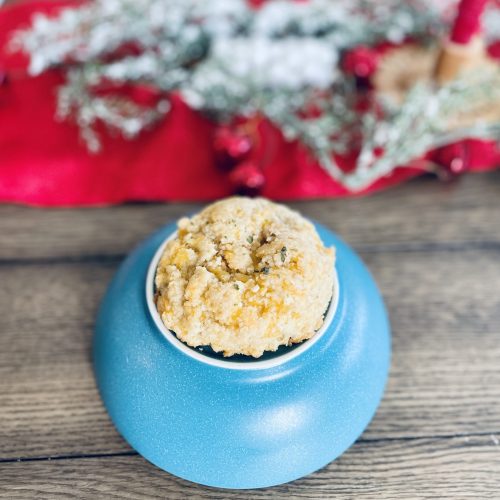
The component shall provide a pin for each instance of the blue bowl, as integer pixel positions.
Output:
(239, 422)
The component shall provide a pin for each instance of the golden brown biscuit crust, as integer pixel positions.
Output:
(244, 276)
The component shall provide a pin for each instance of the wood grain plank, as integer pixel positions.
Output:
(445, 312)
(48, 399)
(454, 468)
(422, 212)
(434, 250)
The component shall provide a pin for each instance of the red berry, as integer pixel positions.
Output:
(453, 159)
(362, 61)
(230, 147)
(494, 49)
(256, 4)
(235, 144)
(247, 178)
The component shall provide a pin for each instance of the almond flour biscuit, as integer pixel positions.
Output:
(244, 276)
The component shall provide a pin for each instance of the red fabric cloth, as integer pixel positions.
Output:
(43, 162)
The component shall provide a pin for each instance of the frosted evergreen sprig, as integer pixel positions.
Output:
(419, 125)
(227, 59)
(75, 100)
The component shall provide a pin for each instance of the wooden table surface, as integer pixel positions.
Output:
(435, 251)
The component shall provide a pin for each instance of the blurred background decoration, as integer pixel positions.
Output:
(106, 101)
